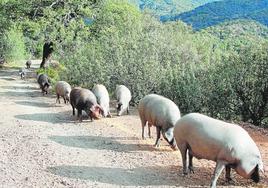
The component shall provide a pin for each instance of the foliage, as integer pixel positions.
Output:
(244, 83)
(53, 72)
(217, 12)
(138, 51)
(238, 28)
(168, 8)
(127, 47)
(40, 21)
(115, 32)
(13, 45)
(220, 71)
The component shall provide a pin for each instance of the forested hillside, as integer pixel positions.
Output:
(169, 7)
(238, 28)
(218, 12)
(217, 74)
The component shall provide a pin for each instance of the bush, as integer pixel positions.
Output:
(53, 72)
(140, 52)
(13, 44)
(245, 78)
(224, 79)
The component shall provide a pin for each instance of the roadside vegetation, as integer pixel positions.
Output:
(112, 42)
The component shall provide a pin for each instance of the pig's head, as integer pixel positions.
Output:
(95, 111)
(46, 87)
(119, 109)
(105, 113)
(249, 167)
(169, 137)
(67, 96)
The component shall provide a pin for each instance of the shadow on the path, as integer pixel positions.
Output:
(151, 176)
(21, 94)
(8, 72)
(14, 72)
(59, 117)
(8, 78)
(35, 104)
(24, 87)
(139, 176)
(105, 143)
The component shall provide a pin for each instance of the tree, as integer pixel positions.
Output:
(55, 20)
(47, 51)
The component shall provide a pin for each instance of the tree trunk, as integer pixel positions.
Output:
(47, 51)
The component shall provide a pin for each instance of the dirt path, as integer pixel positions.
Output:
(42, 146)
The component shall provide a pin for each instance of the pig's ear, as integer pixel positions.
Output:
(47, 85)
(255, 176)
(119, 106)
(92, 109)
(168, 134)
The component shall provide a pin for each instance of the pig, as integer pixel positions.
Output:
(229, 145)
(162, 113)
(63, 90)
(84, 99)
(123, 96)
(2, 60)
(28, 64)
(103, 98)
(43, 82)
(22, 73)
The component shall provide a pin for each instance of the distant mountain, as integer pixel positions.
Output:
(217, 12)
(169, 7)
(238, 28)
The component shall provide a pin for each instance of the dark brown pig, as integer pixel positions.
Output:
(43, 82)
(28, 64)
(84, 99)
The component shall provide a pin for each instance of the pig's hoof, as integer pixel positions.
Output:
(230, 181)
(191, 170)
(174, 148)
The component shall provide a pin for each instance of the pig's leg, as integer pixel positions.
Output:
(217, 172)
(158, 133)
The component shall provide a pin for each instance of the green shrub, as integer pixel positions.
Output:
(147, 56)
(53, 72)
(224, 78)
(244, 83)
(13, 44)
(34, 38)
